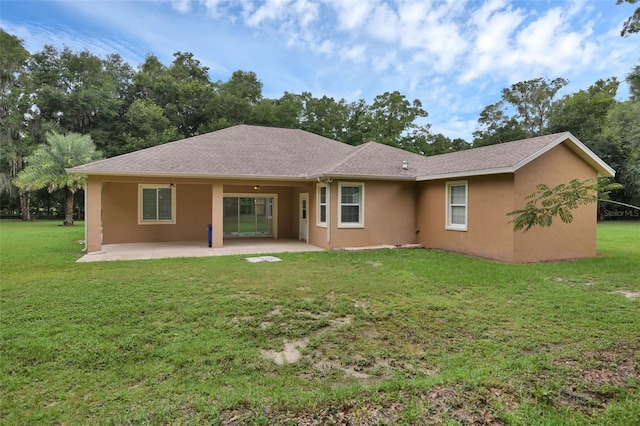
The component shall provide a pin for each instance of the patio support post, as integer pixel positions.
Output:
(217, 197)
(93, 216)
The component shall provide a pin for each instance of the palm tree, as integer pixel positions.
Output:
(46, 166)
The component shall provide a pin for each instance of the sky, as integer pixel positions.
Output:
(455, 56)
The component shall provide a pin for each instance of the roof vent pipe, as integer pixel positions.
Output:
(405, 165)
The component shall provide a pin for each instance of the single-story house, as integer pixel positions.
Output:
(253, 181)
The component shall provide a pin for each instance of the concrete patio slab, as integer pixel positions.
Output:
(140, 251)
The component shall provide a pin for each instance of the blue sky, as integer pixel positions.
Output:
(453, 55)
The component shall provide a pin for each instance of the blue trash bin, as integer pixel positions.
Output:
(209, 232)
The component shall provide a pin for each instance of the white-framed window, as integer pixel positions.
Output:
(156, 204)
(350, 205)
(321, 217)
(457, 205)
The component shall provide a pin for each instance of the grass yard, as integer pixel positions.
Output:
(384, 337)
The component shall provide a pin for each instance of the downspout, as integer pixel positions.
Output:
(329, 213)
(86, 248)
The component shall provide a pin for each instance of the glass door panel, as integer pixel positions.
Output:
(247, 222)
(248, 216)
(230, 216)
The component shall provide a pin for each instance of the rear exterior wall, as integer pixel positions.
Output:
(194, 208)
(561, 240)
(389, 216)
(488, 232)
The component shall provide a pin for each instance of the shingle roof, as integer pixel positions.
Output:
(505, 158)
(273, 153)
(250, 151)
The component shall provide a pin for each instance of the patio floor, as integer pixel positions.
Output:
(138, 251)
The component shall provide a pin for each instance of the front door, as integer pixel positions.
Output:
(304, 216)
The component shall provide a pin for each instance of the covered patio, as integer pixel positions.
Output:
(164, 250)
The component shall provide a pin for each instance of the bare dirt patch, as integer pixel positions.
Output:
(291, 353)
(607, 369)
(628, 294)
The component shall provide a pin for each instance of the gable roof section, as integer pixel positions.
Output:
(258, 152)
(505, 158)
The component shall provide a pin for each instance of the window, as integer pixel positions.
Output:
(351, 205)
(157, 204)
(457, 205)
(321, 219)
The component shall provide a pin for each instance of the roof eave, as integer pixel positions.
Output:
(466, 173)
(183, 175)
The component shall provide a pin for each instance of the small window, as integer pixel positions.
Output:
(322, 205)
(351, 205)
(157, 204)
(457, 193)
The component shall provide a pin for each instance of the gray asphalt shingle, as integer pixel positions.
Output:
(267, 152)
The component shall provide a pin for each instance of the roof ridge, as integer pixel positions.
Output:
(356, 150)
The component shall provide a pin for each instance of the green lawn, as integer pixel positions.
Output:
(390, 336)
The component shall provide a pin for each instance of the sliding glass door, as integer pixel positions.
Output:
(248, 216)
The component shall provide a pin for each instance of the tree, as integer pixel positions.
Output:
(46, 166)
(633, 78)
(496, 127)
(623, 132)
(530, 102)
(585, 112)
(546, 203)
(183, 92)
(324, 116)
(391, 120)
(632, 24)
(147, 126)
(235, 101)
(14, 146)
(440, 144)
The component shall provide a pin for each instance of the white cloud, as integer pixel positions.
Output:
(182, 6)
(384, 24)
(306, 12)
(385, 61)
(270, 10)
(351, 14)
(355, 53)
(494, 24)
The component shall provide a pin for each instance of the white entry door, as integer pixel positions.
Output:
(304, 216)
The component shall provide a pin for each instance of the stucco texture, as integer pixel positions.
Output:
(489, 233)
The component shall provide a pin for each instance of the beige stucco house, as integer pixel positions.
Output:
(251, 181)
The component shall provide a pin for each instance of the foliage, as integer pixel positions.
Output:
(585, 112)
(632, 24)
(148, 126)
(14, 146)
(391, 120)
(46, 166)
(497, 127)
(633, 78)
(623, 134)
(433, 337)
(546, 203)
(530, 101)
